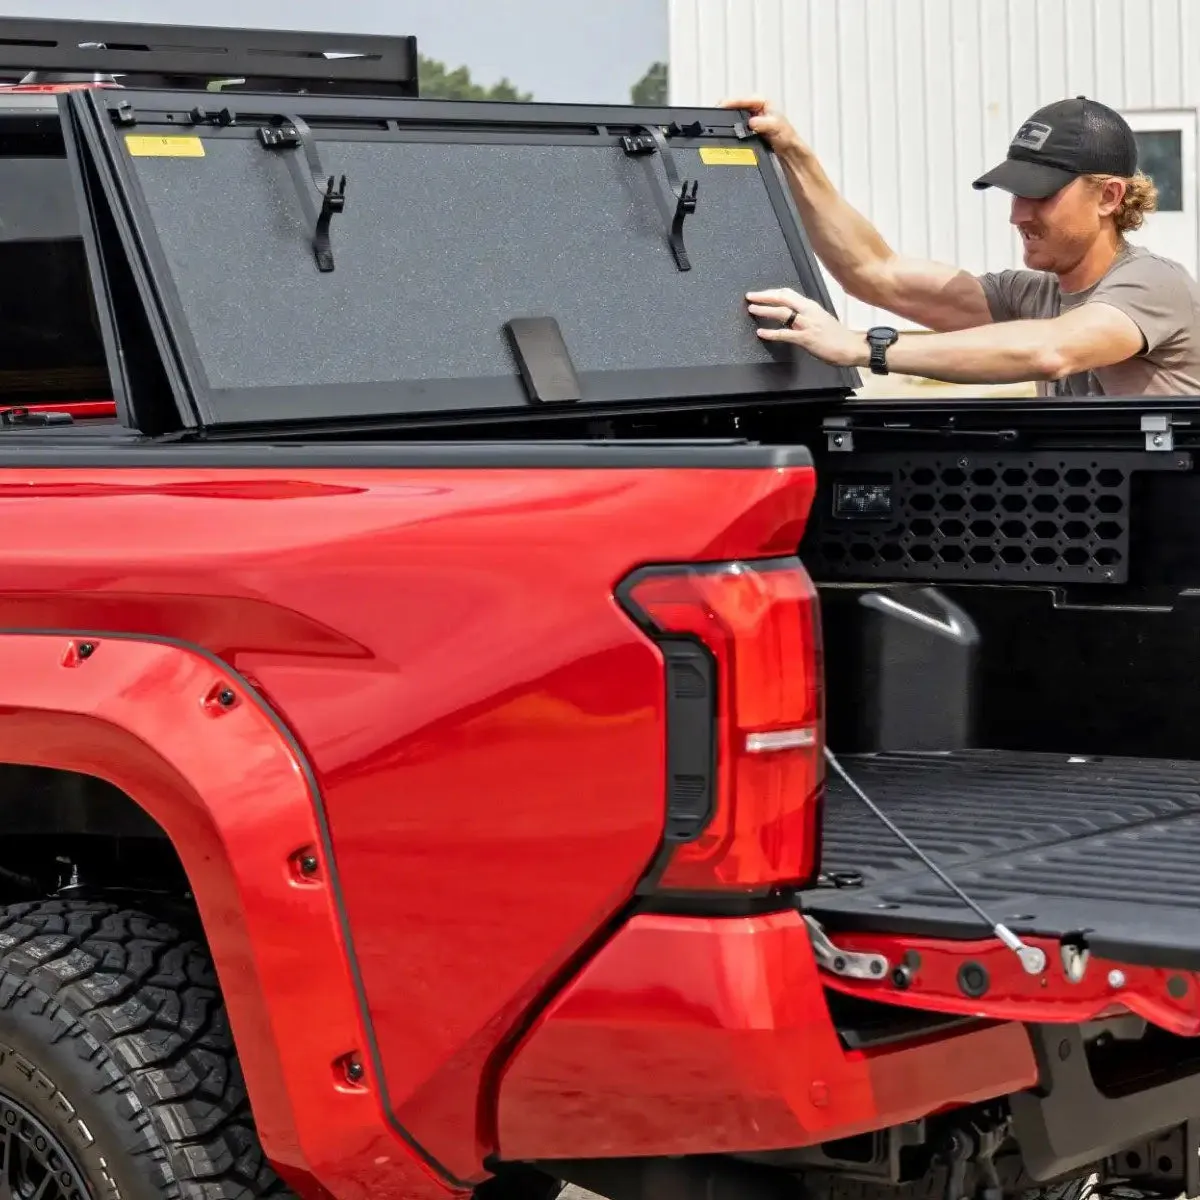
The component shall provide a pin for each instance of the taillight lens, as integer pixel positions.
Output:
(758, 622)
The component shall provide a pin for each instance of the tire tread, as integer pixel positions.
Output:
(141, 1003)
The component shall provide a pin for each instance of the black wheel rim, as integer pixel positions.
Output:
(34, 1164)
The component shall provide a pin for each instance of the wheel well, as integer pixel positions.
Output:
(69, 834)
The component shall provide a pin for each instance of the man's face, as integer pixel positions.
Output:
(1057, 232)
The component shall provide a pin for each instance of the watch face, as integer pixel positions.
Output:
(881, 332)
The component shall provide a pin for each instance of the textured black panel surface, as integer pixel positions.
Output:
(1044, 516)
(458, 219)
(1048, 844)
(430, 264)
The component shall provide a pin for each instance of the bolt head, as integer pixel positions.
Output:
(309, 864)
(87, 649)
(355, 1071)
(225, 698)
(1116, 979)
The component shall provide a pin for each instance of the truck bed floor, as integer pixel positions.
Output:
(1048, 844)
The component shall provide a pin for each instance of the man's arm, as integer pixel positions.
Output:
(1087, 338)
(855, 253)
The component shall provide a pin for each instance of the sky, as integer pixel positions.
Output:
(568, 51)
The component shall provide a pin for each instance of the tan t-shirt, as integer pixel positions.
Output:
(1157, 294)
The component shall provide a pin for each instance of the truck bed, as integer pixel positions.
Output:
(1048, 844)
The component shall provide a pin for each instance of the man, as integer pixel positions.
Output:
(1094, 315)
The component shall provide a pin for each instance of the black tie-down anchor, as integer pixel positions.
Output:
(290, 133)
(680, 196)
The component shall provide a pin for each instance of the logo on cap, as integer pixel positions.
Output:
(1032, 135)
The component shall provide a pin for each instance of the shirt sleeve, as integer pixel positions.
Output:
(1012, 295)
(1154, 295)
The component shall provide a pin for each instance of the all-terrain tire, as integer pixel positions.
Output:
(114, 1042)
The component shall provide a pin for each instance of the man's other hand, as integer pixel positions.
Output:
(813, 329)
(773, 127)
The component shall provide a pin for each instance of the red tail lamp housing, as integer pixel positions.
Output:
(741, 644)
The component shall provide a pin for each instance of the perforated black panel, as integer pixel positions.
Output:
(1037, 517)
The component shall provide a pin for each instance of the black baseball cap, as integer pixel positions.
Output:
(1061, 142)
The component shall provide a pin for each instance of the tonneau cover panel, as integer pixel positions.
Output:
(309, 259)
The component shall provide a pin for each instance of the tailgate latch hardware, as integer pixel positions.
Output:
(848, 963)
(1158, 430)
(1074, 961)
(291, 133)
(680, 195)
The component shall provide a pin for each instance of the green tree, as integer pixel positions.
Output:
(438, 83)
(651, 90)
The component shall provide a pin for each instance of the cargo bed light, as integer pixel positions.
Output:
(758, 624)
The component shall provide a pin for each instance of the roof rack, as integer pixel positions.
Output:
(36, 51)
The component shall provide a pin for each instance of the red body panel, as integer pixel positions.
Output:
(484, 724)
(1167, 998)
(692, 1036)
(228, 789)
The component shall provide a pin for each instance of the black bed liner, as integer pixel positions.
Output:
(1049, 844)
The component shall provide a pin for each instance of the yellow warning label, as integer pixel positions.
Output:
(141, 146)
(728, 156)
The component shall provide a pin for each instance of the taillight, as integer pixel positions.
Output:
(742, 647)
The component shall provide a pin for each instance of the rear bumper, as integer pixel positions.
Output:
(709, 1036)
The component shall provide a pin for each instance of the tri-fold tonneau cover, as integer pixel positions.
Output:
(307, 259)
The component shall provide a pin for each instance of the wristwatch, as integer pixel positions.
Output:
(880, 338)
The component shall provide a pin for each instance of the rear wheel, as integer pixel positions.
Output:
(118, 1076)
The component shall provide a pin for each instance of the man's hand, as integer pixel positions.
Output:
(1086, 338)
(773, 127)
(813, 329)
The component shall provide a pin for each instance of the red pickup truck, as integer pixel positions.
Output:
(475, 719)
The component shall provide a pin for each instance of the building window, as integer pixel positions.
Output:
(1160, 155)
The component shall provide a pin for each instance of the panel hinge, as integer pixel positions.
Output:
(837, 433)
(847, 963)
(1159, 432)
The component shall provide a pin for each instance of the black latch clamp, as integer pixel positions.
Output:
(680, 196)
(290, 133)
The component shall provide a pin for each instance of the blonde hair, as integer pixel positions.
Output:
(1139, 201)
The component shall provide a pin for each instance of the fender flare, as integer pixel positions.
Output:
(192, 743)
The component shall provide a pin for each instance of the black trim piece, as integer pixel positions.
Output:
(318, 804)
(691, 683)
(48, 451)
(547, 372)
(195, 55)
(1068, 1125)
(717, 905)
(868, 1024)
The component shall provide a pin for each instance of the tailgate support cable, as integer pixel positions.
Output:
(1033, 958)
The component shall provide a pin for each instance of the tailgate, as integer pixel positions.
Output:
(1091, 859)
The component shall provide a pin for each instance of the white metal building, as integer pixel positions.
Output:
(907, 101)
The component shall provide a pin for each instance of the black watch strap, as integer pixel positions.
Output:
(880, 339)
